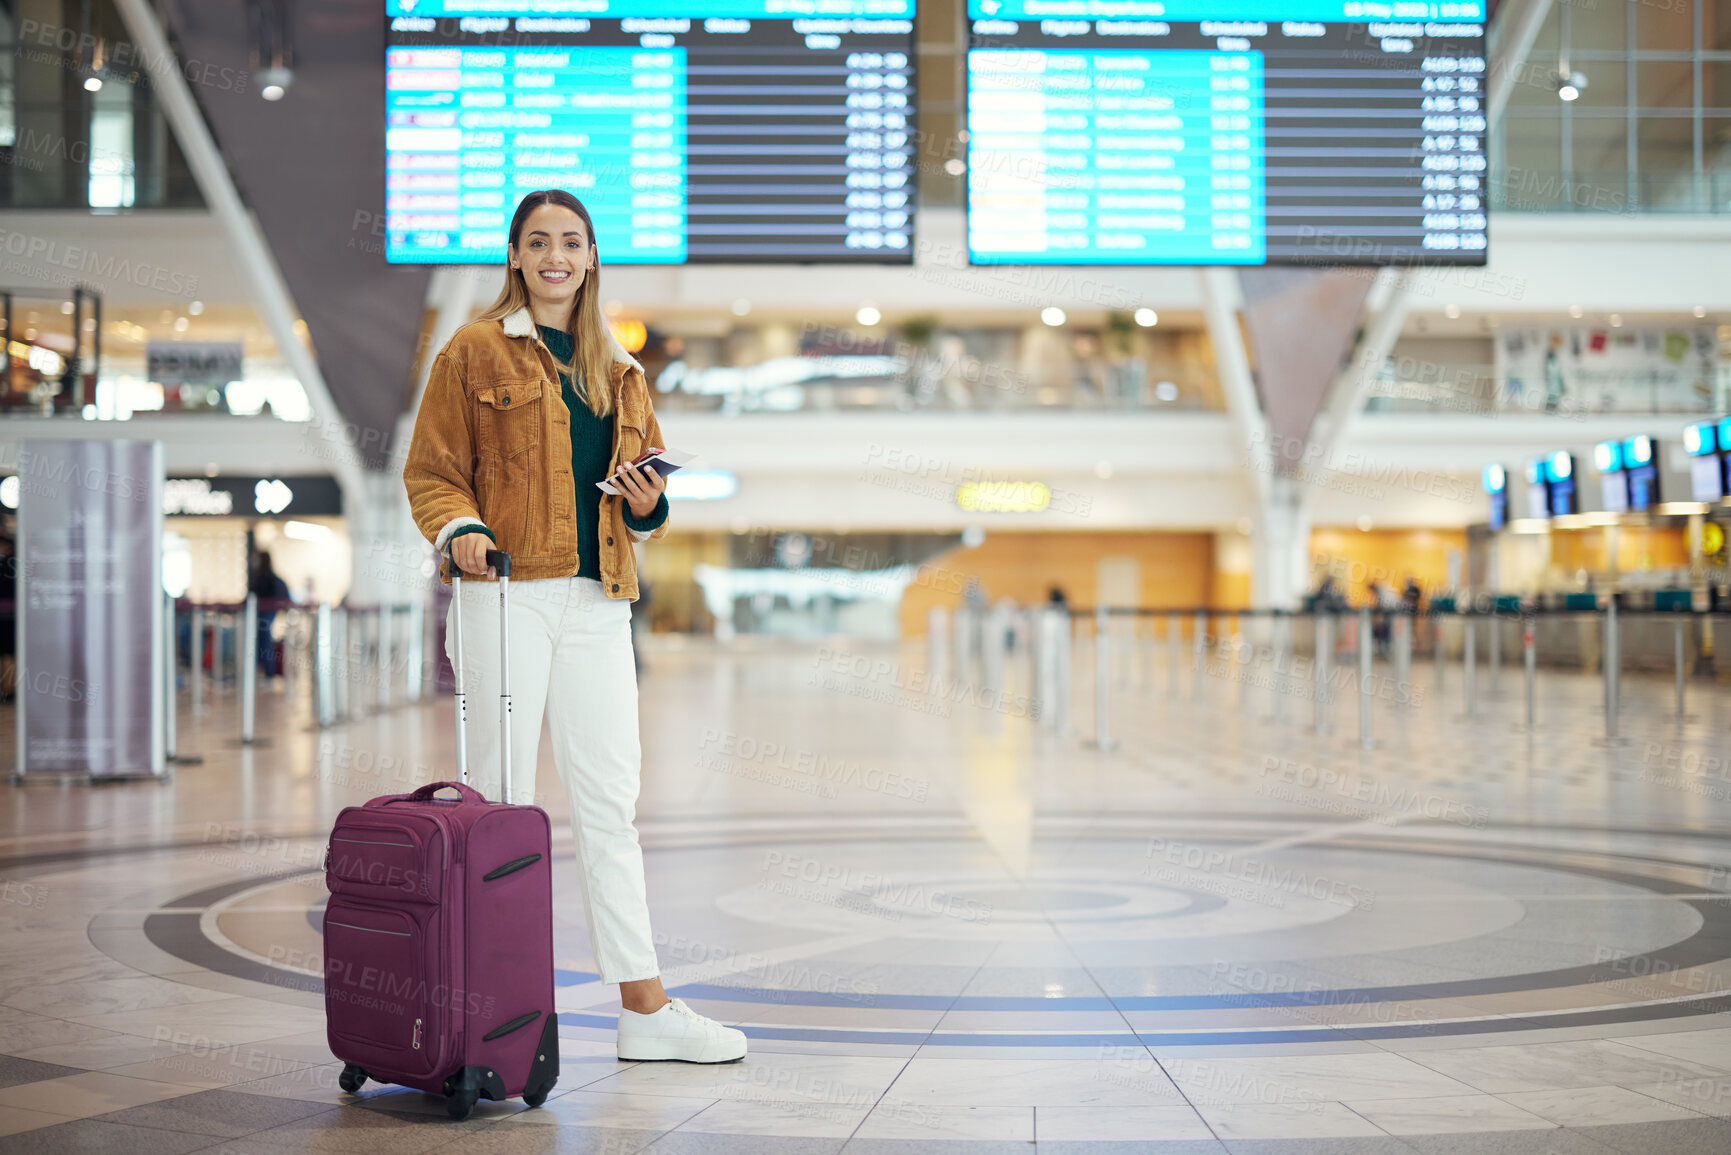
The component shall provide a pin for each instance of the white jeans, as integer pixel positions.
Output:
(570, 661)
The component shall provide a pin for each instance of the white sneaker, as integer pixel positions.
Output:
(677, 1032)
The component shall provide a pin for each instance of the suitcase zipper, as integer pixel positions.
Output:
(416, 1043)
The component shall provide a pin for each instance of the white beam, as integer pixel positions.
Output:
(1232, 363)
(1518, 26)
(1347, 396)
(272, 295)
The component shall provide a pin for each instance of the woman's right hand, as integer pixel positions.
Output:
(470, 552)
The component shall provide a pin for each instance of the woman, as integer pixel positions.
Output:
(525, 410)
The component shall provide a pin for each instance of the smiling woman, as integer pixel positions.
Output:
(526, 411)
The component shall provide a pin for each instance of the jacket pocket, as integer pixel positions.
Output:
(509, 423)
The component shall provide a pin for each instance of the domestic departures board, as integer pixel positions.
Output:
(1206, 132)
(736, 130)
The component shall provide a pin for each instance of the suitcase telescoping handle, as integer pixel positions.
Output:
(501, 563)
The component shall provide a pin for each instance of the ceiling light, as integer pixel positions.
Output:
(1451, 311)
(274, 82)
(1699, 310)
(868, 315)
(1616, 320)
(1147, 318)
(93, 84)
(1052, 315)
(741, 307)
(1575, 310)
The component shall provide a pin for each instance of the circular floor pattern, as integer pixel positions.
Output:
(1200, 938)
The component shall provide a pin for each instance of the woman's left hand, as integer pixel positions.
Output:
(642, 489)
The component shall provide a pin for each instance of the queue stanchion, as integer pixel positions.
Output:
(1366, 692)
(416, 654)
(171, 695)
(387, 619)
(937, 641)
(1065, 637)
(1047, 631)
(324, 683)
(1199, 655)
(1277, 678)
(1613, 658)
(1172, 639)
(171, 669)
(1493, 651)
(1242, 651)
(1439, 651)
(249, 669)
(1530, 648)
(196, 673)
(340, 665)
(1400, 626)
(1682, 684)
(1323, 666)
(1102, 680)
(1469, 663)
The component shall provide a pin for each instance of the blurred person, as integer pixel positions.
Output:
(1411, 596)
(1327, 598)
(1382, 602)
(526, 409)
(263, 582)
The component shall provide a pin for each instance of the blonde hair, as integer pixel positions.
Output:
(591, 340)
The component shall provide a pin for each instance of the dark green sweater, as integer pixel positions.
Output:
(591, 454)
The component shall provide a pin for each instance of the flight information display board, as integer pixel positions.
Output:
(1207, 132)
(728, 131)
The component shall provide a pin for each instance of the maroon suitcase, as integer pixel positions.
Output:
(439, 931)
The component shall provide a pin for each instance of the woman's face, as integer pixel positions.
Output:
(555, 253)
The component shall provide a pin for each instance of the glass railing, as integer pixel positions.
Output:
(1518, 189)
(901, 379)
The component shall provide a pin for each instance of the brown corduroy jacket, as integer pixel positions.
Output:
(492, 447)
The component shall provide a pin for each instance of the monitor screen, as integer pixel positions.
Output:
(1499, 509)
(1707, 477)
(1614, 492)
(727, 131)
(1643, 483)
(1201, 132)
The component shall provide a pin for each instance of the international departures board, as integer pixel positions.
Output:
(1201, 132)
(692, 130)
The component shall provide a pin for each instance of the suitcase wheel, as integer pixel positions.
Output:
(352, 1078)
(536, 1097)
(461, 1103)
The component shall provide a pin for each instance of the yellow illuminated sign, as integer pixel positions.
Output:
(1003, 496)
(1712, 538)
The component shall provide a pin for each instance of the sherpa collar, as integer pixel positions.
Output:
(522, 324)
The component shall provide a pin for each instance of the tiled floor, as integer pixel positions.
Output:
(947, 926)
